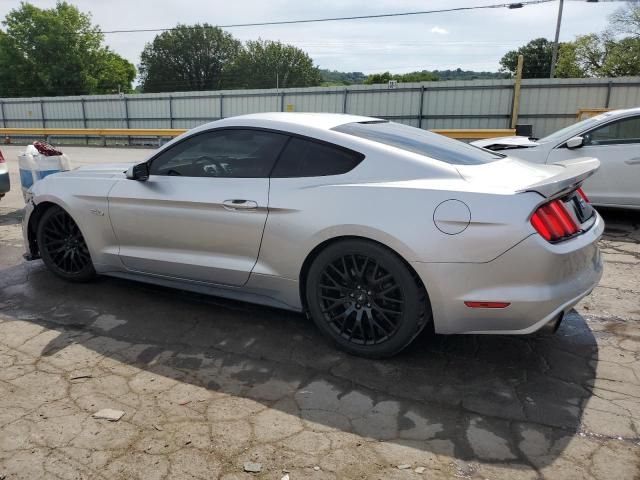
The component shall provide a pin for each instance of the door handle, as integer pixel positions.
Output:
(633, 161)
(239, 204)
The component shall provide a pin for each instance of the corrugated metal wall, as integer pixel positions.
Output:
(546, 104)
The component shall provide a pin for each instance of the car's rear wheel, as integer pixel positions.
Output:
(62, 246)
(364, 297)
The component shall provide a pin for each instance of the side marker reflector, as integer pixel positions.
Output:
(487, 304)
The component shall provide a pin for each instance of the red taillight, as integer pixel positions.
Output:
(583, 195)
(1, 158)
(553, 222)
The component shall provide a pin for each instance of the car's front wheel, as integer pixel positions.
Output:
(363, 296)
(62, 246)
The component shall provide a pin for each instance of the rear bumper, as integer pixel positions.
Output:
(541, 281)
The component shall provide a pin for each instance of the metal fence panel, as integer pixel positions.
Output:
(623, 96)
(550, 106)
(63, 114)
(23, 114)
(198, 107)
(146, 123)
(547, 104)
(386, 103)
(105, 123)
(468, 105)
(190, 123)
(148, 108)
(331, 101)
(240, 105)
(108, 110)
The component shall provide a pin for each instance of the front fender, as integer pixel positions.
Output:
(85, 199)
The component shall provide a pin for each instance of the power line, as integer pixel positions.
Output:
(336, 19)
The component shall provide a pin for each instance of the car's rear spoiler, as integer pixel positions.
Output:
(574, 173)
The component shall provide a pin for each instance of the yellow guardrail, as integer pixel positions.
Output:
(174, 132)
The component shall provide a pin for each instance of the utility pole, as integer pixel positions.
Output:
(554, 54)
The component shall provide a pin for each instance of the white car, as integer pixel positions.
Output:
(612, 137)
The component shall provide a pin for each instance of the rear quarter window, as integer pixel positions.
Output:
(306, 158)
(419, 141)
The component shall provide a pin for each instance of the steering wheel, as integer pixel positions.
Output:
(209, 164)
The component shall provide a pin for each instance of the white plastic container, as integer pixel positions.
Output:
(35, 166)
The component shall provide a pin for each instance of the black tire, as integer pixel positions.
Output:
(62, 246)
(365, 299)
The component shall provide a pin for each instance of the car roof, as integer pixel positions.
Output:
(323, 121)
(619, 112)
(629, 110)
(303, 123)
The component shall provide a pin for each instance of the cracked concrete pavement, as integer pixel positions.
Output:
(208, 385)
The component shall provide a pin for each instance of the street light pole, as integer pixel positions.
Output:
(554, 54)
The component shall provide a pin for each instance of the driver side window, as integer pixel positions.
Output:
(230, 153)
(623, 131)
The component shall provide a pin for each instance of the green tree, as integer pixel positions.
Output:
(267, 64)
(604, 54)
(56, 51)
(622, 58)
(590, 53)
(187, 58)
(423, 76)
(626, 20)
(459, 74)
(335, 78)
(567, 65)
(111, 71)
(537, 59)
(378, 78)
(599, 55)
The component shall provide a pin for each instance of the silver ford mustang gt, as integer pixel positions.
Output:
(375, 229)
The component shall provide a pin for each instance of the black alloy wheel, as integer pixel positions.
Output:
(62, 246)
(365, 298)
(361, 301)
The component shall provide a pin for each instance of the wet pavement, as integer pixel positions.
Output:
(207, 385)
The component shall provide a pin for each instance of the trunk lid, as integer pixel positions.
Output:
(558, 183)
(574, 173)
(511, 175)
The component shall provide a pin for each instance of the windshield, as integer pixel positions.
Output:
(571, 130)
(419, 141)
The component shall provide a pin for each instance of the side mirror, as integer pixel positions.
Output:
(575, 142)
(138, 172)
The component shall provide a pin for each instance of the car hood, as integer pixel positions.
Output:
(512, 175)
(101, 170)
(503, 143)
(104, 168)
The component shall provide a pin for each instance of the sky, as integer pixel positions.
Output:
(471, 40)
